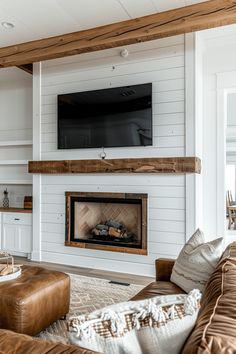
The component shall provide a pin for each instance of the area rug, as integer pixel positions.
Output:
(88, 294)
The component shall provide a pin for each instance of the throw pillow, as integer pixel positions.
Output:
(196, 262)
(157, 325)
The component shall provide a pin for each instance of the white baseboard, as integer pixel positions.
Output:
(101, 264)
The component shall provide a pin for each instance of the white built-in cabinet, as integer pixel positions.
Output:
(16, 233)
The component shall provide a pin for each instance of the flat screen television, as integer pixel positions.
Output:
(113, 117)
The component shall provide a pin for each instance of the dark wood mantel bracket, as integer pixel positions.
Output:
(135, 165)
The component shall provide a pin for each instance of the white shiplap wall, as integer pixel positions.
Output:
(162, 63)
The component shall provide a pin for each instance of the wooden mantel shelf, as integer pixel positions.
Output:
(136, 165)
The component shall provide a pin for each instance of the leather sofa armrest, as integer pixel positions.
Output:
(11, 342)
(164, 268)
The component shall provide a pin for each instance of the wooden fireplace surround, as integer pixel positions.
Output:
(122, 196)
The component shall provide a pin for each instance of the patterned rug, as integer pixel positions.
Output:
(88, 294)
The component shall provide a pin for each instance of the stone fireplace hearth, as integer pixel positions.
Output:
(107, 221)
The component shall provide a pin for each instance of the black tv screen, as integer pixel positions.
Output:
(114, 117)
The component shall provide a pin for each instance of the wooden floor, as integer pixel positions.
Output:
(120, 277)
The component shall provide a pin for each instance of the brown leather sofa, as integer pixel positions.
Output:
(215, 330)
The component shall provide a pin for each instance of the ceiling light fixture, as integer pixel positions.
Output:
(7, 25)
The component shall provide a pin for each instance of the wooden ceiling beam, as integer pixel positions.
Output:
(196, 17)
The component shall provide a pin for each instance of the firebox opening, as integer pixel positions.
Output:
(107, 219)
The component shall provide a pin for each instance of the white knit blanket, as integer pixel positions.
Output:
(157, 325)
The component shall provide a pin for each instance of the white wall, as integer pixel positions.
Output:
(160, 62)
(231, 110)
(15, 104)
(231, 129)
(219, 57)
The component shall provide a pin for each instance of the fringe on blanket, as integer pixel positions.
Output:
(83, 326)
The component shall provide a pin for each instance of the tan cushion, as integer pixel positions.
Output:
(196, 262)
(215, 330)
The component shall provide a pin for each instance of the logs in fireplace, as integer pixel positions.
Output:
(112, 231)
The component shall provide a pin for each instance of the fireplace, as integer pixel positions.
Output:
(107, 221)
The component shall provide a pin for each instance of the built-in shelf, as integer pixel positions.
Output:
(16, 143)
(13, 162)
(16, 182)
(15, 210)
(5, 164)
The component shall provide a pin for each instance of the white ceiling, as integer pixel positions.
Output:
(36, 19)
